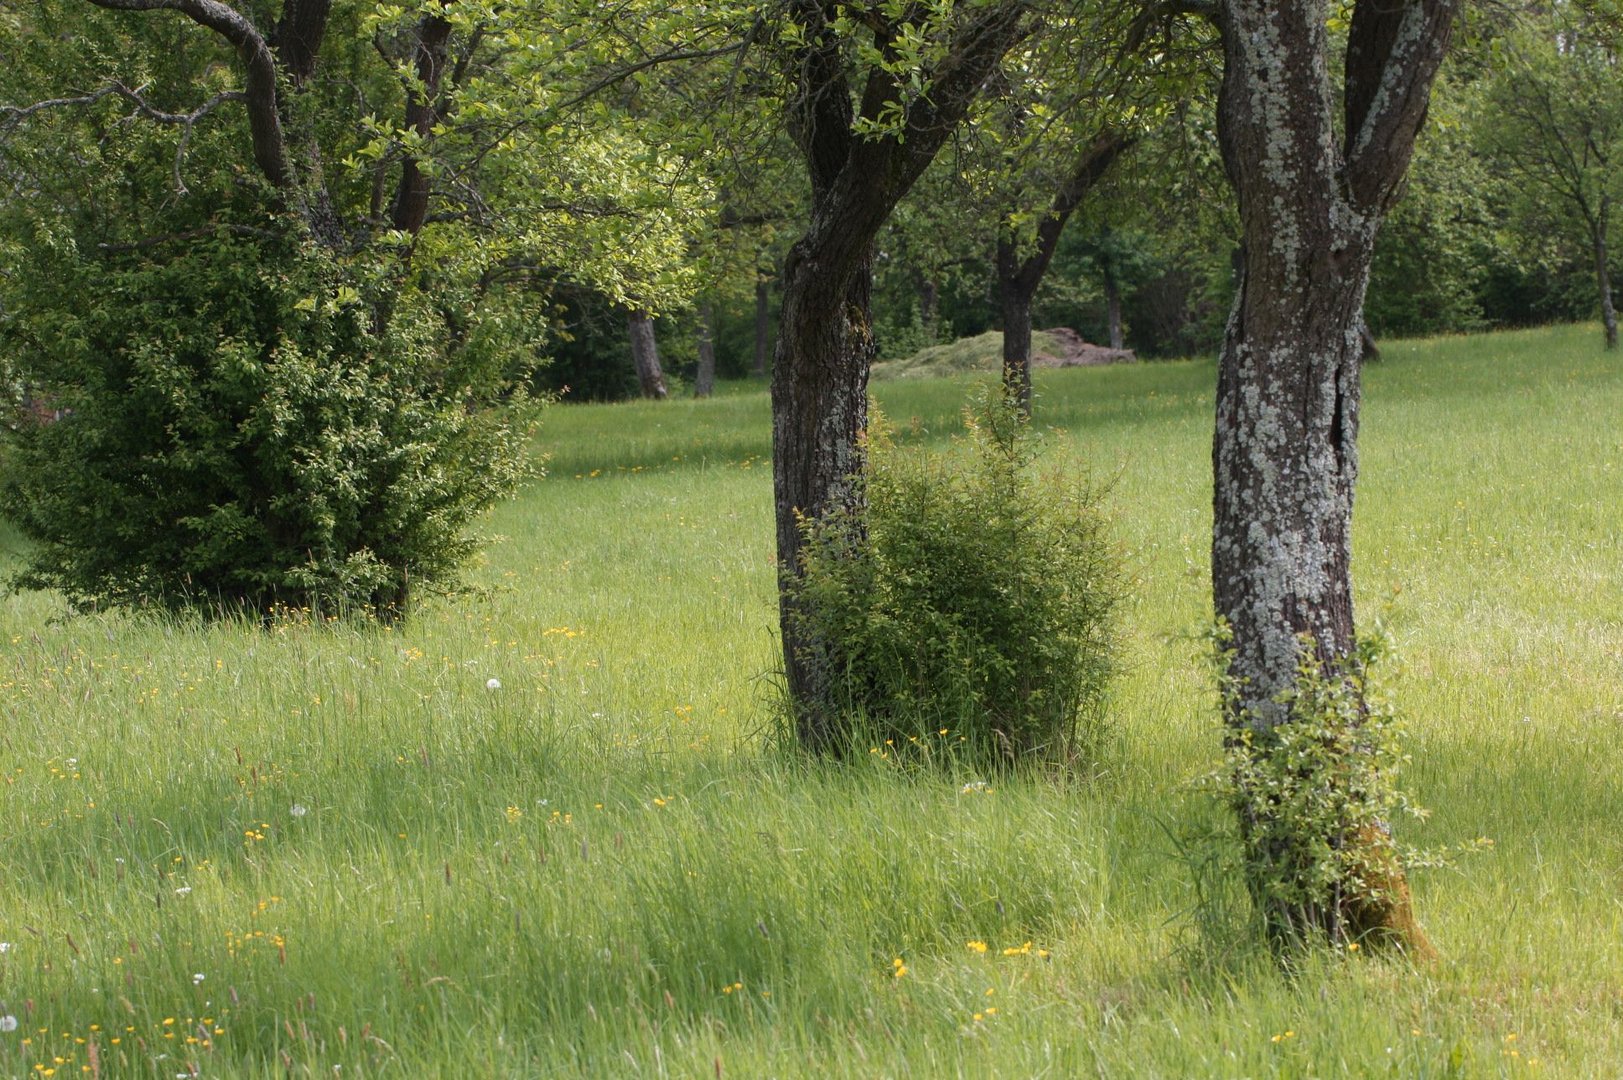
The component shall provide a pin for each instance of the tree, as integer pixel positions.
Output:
(645, 354)
(1020, 268)
(1550, 123)
(875, 91)
(304, 314)
(1313, 187)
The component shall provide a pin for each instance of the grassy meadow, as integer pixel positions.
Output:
(543, 830)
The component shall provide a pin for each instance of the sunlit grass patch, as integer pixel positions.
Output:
(379, 860)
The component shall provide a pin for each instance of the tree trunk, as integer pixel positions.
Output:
(1014, 297)
(429, 57)
(825, 337)
(929, 306)
(704, 383)
(1603, 280)
(819, 412)
(763, 323)
(1113, 311)
(1018, 277)
(645, 355)
(1285, 456)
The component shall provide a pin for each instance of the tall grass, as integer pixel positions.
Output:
(375, 859)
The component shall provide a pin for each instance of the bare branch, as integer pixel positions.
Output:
(14, 114)
(270, 148)
(619, 75)
(189, 234)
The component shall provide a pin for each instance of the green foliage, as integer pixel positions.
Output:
(1316, 795)
(978, 600)
(249, 423)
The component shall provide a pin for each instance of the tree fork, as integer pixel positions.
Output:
(1284, 450)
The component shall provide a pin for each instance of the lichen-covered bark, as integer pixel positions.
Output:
(1285, 457)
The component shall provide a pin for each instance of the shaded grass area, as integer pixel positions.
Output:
(602, 867)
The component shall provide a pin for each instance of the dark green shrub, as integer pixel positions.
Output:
(977, 603)
(249, 423)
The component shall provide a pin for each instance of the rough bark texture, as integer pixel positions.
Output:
(645, 355)
(704, 382)
(1020, 272)
(825, 339)
(1285, 452)
(299, 34)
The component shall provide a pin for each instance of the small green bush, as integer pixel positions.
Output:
(977, 602)
(249, 423)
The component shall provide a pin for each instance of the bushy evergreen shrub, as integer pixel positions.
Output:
(249, 422)
(975, 611)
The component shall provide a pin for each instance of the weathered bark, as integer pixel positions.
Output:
(763, 323)
(645, 355)
(1019, 273)
(1285, 456)
(704, 382)
(825, 340)
(298, 36)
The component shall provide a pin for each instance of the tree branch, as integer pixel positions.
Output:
(1394, 48)
(14, 114)
(270, 148)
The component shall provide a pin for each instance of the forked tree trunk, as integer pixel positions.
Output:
(645, 355)
(1285, 457)
(1020, 270)
(704, 382)
(825, 337)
